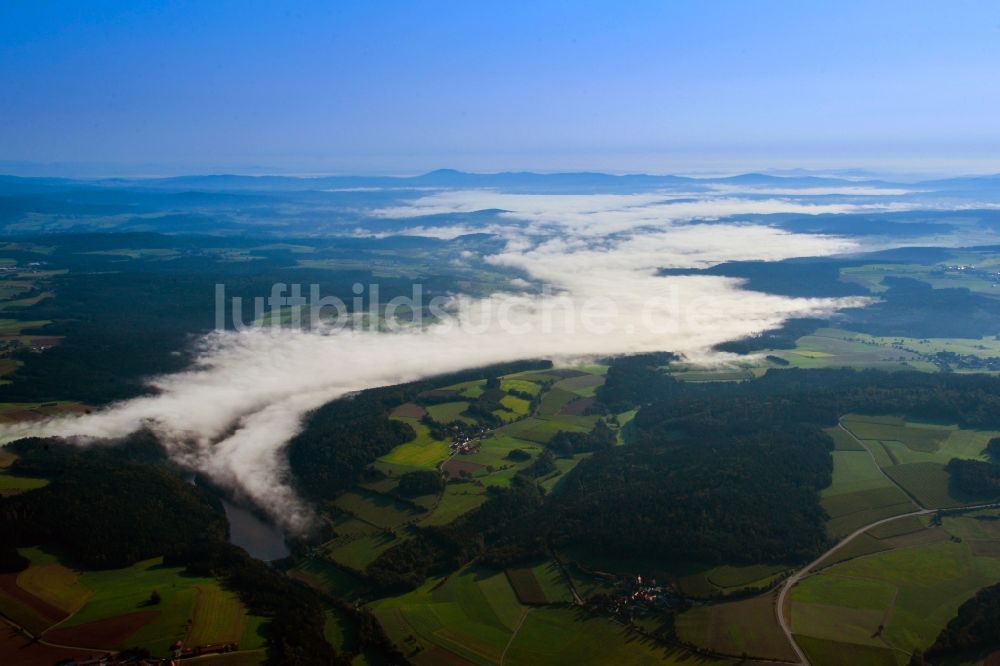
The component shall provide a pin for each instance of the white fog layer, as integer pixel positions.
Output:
(232, 414)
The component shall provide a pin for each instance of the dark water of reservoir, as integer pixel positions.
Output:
(259, 538)
(263, 540)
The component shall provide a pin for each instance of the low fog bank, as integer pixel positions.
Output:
(231, 415)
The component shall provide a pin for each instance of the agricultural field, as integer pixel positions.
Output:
(885, 603)
(567, 636)
(12, 412)
(699, 582)
(859, 493)
(380, 511)
(731, 578)
(370, 511)
(11, 484)
(480, 616)
(447, 412)
(836, 348)
(519, 384)
(357, 551)
(517, 406)
(584, 385)
(747, 626)
(113, 609)
(475, 616)
(937, 275)
(913, 454)
(472, 389)
(325, 576)
(472, 613)
(340, 631)
(986, 347)
(693, 373)
(16, 648)
(554, 401)
(457, 500)
(520, 428)
(541, 430)
(21, 289)
(421, 452)
(541, 584)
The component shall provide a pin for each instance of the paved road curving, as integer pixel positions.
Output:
(792, 580)
(795, 578)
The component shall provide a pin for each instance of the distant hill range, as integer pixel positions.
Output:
(514, 181)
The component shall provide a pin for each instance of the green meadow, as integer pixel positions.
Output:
(450, 411)
(910, 587)
(422, 451)
(194, 609)
(913, 454)
(475, 616)
(747, 626)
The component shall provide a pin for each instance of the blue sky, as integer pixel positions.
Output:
(393, 87)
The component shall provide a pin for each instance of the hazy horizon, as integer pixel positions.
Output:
(88, 172)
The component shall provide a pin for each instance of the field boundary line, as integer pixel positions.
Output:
(41, 641)
(881, 471)
(520, 623)
(807, 570)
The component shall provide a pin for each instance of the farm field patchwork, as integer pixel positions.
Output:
(474, 616)
(219, 617)
(457, 500)
(859, 493)
(554, 400)
(911, 589)
(836, 348)
(914, 454)
(584, 385)
(112, 609)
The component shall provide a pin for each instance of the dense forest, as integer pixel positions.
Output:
(109, 511)
(793, 277)
(744, 461)
(915, 309)
(805, 396)
(144, 312)
(345, 436)
(706, 497)
(571, 443)
(908, 307)
(974, 479)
